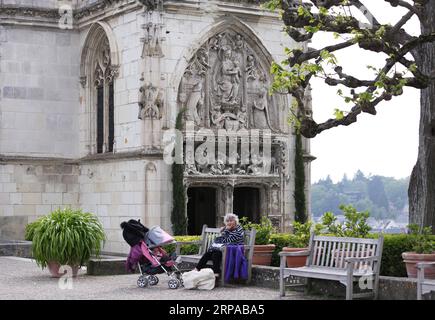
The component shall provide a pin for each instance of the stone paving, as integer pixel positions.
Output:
(21, 278)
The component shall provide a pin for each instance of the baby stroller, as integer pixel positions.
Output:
(147, 253)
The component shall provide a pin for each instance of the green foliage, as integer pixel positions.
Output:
(30, 230)
(299, 193)
(264, 229)
(302, 232)
(281, 240)
(354, 226)
(422, 241)
(66, 236)
(388, 201)
(392, 262)
(178, 214)
(187, 248)
(272, 5)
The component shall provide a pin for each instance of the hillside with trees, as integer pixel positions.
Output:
(383, 197)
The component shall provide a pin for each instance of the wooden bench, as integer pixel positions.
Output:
(207, 237)
(424, 285)
(338, 258)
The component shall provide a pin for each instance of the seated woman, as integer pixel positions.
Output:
(232, 233)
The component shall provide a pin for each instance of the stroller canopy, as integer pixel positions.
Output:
(157, 236)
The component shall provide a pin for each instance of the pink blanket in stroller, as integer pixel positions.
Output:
(140, 252)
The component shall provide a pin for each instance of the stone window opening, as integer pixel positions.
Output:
(99, 68)
(104, 93)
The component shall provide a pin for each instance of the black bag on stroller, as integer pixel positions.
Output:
(133, 232)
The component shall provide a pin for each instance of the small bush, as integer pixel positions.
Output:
(264, 229)
(187, 248)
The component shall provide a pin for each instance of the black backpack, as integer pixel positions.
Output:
(134, 232)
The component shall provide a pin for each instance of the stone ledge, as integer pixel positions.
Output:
(16, 248)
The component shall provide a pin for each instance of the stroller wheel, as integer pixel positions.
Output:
(174, 284)
(142, 282)
(153, 280)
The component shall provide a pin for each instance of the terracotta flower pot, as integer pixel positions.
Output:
(296, 262)
(411, 259)
(263, 254)
(54, 267)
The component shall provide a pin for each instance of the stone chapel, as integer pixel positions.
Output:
(88, 89)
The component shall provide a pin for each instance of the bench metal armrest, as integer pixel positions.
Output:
(361, 259)
(294, 254)
(422, 265)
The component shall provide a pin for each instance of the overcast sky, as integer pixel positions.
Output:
(385, 144)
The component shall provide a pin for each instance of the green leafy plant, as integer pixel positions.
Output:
(421, 241)
(264, 229)
(299, 193)
(355, 224)
(30, 230)
(178, 214)
(302, 232)
(66, 236)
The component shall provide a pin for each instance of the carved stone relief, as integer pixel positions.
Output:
(150, 102)
(103, 70)
(225, 86)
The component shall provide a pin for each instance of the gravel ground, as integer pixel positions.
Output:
(22, 279)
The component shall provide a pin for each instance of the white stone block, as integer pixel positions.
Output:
(24, 210)
(6, 210)
(52, 198)
(32, 198)
(102, 210)
(16, 198)
(42, 209)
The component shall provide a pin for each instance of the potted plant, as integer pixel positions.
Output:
(65, 237)
(299, 243)
(263, 249)
(423, 250)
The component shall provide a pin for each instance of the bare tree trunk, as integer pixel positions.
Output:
(422, 184)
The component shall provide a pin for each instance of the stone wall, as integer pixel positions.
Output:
(28, 191)
(39, 92)
(117, 191)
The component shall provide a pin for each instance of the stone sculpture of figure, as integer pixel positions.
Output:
(203, 58)
(250, 68)
(242, 117)
(230, 74)
(190, 163)
(150, 102)
(194, 101)
(260, 109)
(239, 42)
(255, 166)
(217, 168)
(216, 117)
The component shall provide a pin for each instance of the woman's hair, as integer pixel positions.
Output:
(231, 216)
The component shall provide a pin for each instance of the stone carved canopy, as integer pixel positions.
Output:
(225, 86)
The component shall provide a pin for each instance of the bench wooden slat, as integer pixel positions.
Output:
(328, 254)
(333, 250)
(319, 253)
